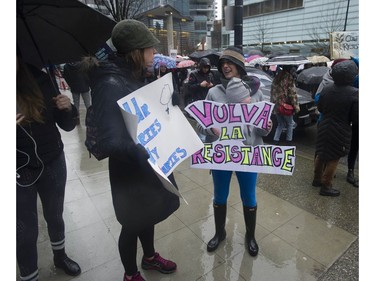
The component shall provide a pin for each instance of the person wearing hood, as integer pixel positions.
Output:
(354, 145)
(236, 87)
(139, 198)
(200, 81)
(338, 104)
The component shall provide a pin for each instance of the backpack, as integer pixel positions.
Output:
(91, 141)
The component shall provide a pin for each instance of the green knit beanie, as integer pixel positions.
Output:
(130, 34)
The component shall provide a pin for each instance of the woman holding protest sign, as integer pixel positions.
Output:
(236, 87)
(139, 198)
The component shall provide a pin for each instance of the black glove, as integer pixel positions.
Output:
(139, 153)
(175, 99)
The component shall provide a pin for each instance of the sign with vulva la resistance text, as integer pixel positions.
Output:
(229, 152)
(160, 127)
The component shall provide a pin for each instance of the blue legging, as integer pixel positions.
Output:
(246, 180)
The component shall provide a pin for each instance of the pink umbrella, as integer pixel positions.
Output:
(250, 58)
(185, 64)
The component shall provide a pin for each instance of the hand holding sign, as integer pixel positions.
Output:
(229, 152)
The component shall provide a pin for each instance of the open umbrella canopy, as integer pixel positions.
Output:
(212, 55)
(185, 63)
(287, 60)
(318, 59)
(168, 61)
(260, 61)
(252, 57)
(56, 31)
(311, 77)
(251, 52)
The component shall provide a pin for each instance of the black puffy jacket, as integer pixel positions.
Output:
(338, 103)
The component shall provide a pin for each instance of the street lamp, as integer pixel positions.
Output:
(238, 23)
(346, 16)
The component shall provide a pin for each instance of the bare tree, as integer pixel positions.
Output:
(121, 9)
(262, 31)
(331, 20)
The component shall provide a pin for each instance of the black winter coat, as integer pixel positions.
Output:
(76, 79)
(139, 198)
(339, 106)
(46, 135)
(196, 92)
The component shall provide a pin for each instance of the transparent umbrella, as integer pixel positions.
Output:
(287, 60)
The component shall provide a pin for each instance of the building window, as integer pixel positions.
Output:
(267, 7)
(281, 5)
(295, 3)
(270, 6)
(200, 25)
(254, 9)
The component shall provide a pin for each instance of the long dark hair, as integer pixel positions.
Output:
(30, 100)
(135, 58)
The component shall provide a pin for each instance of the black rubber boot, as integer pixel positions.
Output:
(62, 261)
(220, 214)
(250, 214)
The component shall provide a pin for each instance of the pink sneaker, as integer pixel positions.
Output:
(135, 277)
(160, 264)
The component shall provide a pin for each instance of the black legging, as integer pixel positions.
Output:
(51, 189)
(354, 147)
(128, 247)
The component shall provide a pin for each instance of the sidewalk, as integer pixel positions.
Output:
(301, 235)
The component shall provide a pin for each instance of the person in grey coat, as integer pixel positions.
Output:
(338, 104)
(236, 87)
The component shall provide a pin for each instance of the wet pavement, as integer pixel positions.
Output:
(301, 235)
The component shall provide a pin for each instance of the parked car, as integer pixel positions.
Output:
(307, 116)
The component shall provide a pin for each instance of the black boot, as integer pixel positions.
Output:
(220, 214)
(250, 214)
(62, 261)
(329, 191)
(351, 179)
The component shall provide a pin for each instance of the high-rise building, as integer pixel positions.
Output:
(193, 22)
(293, 26)
(287, 26)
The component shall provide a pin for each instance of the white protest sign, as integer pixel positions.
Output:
(229, 152)
(159, 126)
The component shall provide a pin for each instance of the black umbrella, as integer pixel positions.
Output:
(253, 52)
(310, 78)
(59, 31)
(212, 55)
(287, 60)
